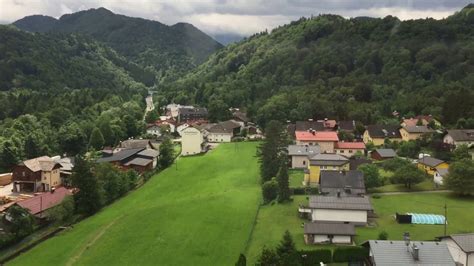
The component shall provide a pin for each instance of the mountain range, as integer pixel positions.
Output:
(167, 49)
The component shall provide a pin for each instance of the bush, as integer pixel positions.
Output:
(346, 254)
(383, 235)
(314, 257)
(394, 164)
(270, 190)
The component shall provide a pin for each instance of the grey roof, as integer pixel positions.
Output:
(329, 229)
(139, 161)
(151, 153)
(442, 171)
(418, 129)
(135, 143)
(432, 253)
(120, 155)
(464, 241)
(224, 127)
(386, 153)
(241, 116)
(307, 125)
(346, 125)
(328, 159)
(67, 163)
(340, 203)
(381, 131)
(430, 161)
(339, 181)
(462, 134)
(303, 150)
(192, 110)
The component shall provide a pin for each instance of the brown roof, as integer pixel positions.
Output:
(462, 134)
(381, 131)
(430, 161)
(418, 129)
(43, 163)
(329, 229)
(44, 201)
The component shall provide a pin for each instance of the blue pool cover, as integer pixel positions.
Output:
(422, 218)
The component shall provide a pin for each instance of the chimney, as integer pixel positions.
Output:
(415, 252)
(313, 132)
(338, 193)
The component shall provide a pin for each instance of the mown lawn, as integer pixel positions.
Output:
(200, 214)
(460, 215)
(296, 177)
(427, 185)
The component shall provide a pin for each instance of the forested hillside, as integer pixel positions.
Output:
(328, 66)
(55, 89)
(169, 50)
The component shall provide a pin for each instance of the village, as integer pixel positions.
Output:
(328, 162)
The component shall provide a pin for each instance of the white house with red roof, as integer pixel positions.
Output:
(349, 149)
(325, 139)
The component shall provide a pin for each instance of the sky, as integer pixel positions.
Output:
(234, 17)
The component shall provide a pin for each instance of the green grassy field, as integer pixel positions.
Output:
(200, 214)
(296, 177)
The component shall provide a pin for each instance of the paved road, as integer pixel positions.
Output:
(149, 105)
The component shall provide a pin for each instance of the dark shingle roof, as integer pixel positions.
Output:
(462, 134)
(395, 253)
(120, 155)
(346, 125)
(329, 229)
(307, 125)
(381, 131)
(464, 241)
(386, 153)
(193, 110)
(334, 181)
(430, 161)
(340, 203)
(139, 161)
(150, 153)
(303, 150)
(418, 129)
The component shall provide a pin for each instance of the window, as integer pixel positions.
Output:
(334, 167)
(350, 151)
(23, 173)
(342, 151)
(304, 162)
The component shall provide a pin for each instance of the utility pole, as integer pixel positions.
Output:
(445, 217)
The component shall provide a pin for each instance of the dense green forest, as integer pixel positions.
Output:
(329, 66)
(56, 89)
(167, 51)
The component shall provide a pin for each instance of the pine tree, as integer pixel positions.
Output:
(242, 260)
(96, 140)
(268, 257)
(283, 181)
(166, 153)
(89, 199)
(286, 251)
(270, 150)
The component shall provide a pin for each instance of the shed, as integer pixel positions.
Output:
(328, 233)
(383, 154)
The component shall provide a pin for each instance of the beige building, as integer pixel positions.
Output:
(191, 141)
(300, 154)
(414, 132)
(461, 247)
(377, 134)
(458, 137)
(38, 174)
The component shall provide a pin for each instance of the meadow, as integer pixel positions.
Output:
(199, 212)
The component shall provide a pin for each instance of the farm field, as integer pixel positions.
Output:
(200, 214)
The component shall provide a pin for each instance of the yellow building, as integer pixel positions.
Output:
(324, 161)
(414, 132)
(378, 133)
(430, 165)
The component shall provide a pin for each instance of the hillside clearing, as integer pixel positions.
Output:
(200, 214)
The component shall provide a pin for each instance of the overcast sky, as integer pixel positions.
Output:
(241, 17)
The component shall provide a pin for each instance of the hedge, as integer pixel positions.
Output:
(314, 257)
(346, 254)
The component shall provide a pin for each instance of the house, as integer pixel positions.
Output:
(300, 155)
(192, 140)
(309, 125)
(414, 132)
(328, 233)
(458, 137)
(430, 164)
(439, 175)
(461, 247)
(38, 174)
(324, 161)
(138, 159)
(135, 144)
(325, 140)
(383, 154)
(191, 113)
(154, 130)
(241, 118)
(328, 124)
(173, 109)
(348, 126)
(349, 149)
(65, 172)
(223, 131)
(423, 120)
(378, 133)
(408, 253)
(38, 205)
(346, 183)
(350, 210)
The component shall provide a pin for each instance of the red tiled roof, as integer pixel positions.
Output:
(350, 145)
(44, 201)
(316, 136)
